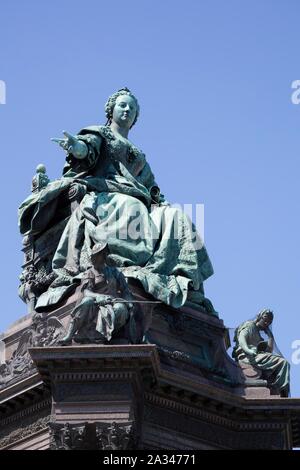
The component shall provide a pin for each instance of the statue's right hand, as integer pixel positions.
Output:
(104, 300)
(68, 143)
(72, 145)
(252, 352)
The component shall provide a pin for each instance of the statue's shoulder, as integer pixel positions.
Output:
(100, 131)
(111, 272)
(247, 327)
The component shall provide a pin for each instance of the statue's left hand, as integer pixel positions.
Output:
(72, 145)
(269, 333)
(104, 300)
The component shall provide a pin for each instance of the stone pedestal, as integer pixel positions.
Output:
(178, 390)
(99, 385)
(255, 386)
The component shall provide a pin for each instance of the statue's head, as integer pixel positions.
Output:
(99, 253)
(41, 168)
(36, 320)
(264, 318)
(122, 107)
(100, 247)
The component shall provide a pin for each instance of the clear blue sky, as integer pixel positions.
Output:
(217, 124)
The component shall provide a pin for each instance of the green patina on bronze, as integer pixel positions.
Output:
(251, 348)
(115, 178)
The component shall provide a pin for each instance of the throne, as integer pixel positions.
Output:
(37, 274)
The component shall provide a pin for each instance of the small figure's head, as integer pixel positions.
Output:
(36, 320)
(99, 254)
(123, 108)
(155, 193)
(41, 168)
(264, 319)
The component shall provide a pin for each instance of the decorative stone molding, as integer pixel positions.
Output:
(25, 430)
(92, 436)
(210, 417)
(43, 331)
(116, 436)
(41, 407)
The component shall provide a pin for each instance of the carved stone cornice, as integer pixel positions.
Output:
(25, 413)
(100, 391)
(105, 361)
(212, 417)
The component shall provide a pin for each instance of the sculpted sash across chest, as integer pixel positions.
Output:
(106, 151)
(116, 150)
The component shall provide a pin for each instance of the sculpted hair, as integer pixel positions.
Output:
(265, 311)
(237, 331)
(110, 104)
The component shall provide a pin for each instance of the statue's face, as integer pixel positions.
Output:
(265, 321)
(124, 111)
(99, 259)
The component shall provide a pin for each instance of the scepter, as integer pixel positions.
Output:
(136, 301)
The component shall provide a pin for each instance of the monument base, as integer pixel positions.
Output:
(177, 390)
(124, 397)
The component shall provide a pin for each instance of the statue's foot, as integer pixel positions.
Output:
(208, 306)
(100, 341)
(66, 341)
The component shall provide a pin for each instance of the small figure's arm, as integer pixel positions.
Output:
(270, 340)
(100, 299)
(123, 287)
(244, 345)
